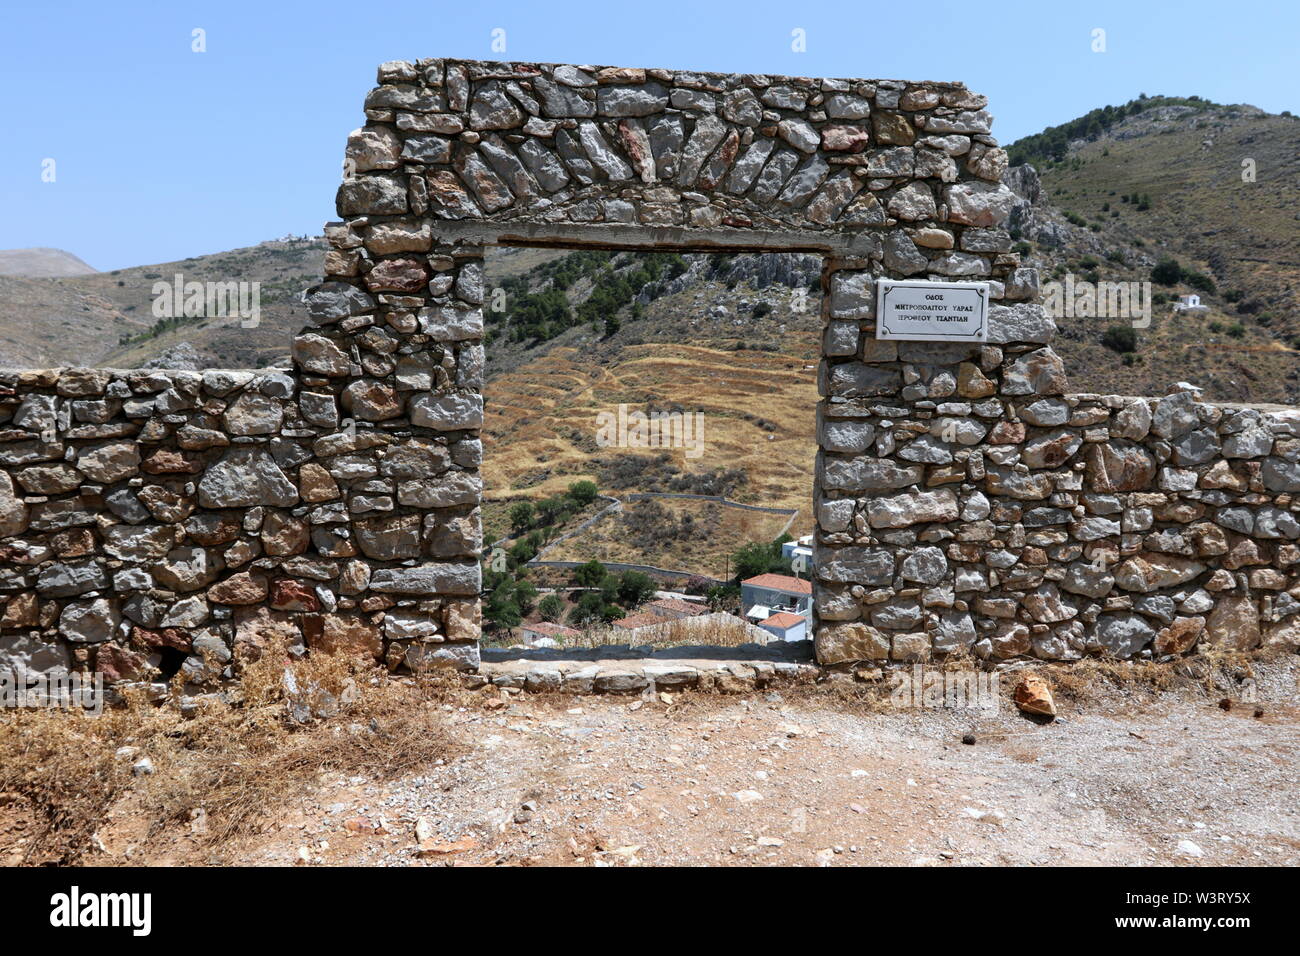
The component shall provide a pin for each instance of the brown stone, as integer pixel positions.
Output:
(73, 543)
(165, 462)
(462, 621)
(845, 139)
(1234, 623)
(117, 663)
(241, 588)
(397, 275)
(173, 637)
(1007, 433)
(972, 383)
(893, 128)
(843, 643)
(348, 634)
(290, 595)
(1012, 640)
(315, 483)
(283, 534)
(1033, 696)
(22, 610)
(1244, 552)
(257, 629)
(354, 577)
(1180, 636)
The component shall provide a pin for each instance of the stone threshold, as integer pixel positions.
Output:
(623, 669)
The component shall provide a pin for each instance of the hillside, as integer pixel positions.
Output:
(107, 319)
(1165, 181)
(726, 338)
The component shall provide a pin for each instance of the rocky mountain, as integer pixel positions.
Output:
(1214, 189)
(41, 263)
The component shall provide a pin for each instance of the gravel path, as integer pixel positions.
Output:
(800, 776)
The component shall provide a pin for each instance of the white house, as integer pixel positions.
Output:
(1190, 303)
(786, 626)
(790, 550)
(546, 634)
(766, 594)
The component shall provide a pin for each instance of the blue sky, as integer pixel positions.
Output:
(163, 153)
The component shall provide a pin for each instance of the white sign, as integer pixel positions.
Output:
(921, 311)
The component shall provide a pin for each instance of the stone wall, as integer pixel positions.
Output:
(1052, 525)
(881, 177)
(177, 520)
(156, 522)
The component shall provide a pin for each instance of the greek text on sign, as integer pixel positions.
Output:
(921, 311)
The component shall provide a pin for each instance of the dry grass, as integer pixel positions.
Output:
(1211, 672)
(221, 773)
(655, 532)
(712, 630)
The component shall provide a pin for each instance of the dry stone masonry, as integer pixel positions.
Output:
(157, 522)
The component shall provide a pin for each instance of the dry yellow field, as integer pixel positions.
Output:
(542, 418)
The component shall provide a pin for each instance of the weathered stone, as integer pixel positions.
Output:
(244, 478)
(845, 643)
(429, 580)
(109, 462)
(320, 355)
(1040, 372)
(1180, 636)
(1234, 623)
(347, 634)
(1123, 635)
(909, 508)
(389, 538)
(1033, 696)
(1153, 572)
(1120, 466)
(857, 379)
(448, 412)
(88, 622)
(924, 566)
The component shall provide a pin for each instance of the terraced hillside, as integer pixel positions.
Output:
(687, 534)
(699, 348)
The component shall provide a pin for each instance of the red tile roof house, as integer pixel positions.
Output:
(672, 609)
(640, 619)
(765, 594)
(544, 630)
(786, 626)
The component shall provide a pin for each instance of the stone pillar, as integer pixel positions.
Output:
(910, 436)
(394, 363)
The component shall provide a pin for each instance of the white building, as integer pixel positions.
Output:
(546, 634)
(786, 626)
(801, 549)
(766, 594)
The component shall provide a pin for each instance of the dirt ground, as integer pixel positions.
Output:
(813, 776)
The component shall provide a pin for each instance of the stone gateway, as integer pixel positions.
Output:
(964, 497)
